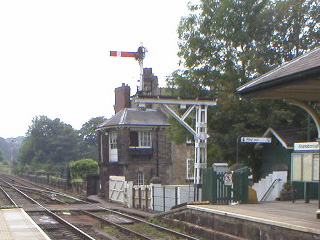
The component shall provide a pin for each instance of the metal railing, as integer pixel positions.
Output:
(269, 189)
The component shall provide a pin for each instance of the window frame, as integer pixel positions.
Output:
(145, 139)
(190, 169)
(140, 178)
(141, 138)
(113, 146)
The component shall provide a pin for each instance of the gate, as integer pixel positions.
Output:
(92, 184)
(116, 188)
(241, 185)
(215, 190)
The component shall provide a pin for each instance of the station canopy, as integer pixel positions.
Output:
(298, 79)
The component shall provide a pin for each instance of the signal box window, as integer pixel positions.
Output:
(140, 139)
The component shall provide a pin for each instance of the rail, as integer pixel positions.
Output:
(10, 199)
(168, 230)
(73, 228)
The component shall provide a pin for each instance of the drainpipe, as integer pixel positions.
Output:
(157, 154)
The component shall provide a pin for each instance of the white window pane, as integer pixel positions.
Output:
(190, 168)
(316, 167)
(307, 167)
(296, 167)
(144, 139)
(113, 151)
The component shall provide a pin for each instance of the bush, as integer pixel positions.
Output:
(41, 172)
(78, 169)
(76, 180)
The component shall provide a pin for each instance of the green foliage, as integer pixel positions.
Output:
(77, 180)
(224, 44)
(88, 147)
(87, 131)
(1, 156)
(50, 145)
(177, 132)
(41, 172)
(5, 166)
(82, 167)
(55, 179)
(49, 142)
(26, 151)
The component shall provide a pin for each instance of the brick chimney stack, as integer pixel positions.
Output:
(122, 98)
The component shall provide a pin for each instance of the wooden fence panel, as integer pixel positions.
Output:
(116, 189)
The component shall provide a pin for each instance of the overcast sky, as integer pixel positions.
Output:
(54, 55)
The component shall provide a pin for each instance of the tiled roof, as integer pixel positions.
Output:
(136, 117)
(287, 136)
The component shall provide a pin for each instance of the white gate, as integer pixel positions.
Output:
(116, 188)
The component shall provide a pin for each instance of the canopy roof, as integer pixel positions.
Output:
(298, 79)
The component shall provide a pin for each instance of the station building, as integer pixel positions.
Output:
(134, 142)
(298, 83)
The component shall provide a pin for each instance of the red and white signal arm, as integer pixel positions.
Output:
(227, 178)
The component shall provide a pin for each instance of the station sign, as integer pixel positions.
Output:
(306, 146)
(255, 140)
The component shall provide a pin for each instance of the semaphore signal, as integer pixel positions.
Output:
(139, 56)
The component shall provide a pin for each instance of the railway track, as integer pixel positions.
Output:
(66, 230)
(102, 224)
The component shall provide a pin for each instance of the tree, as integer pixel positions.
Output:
(49, 142)
(89, 141)
(297, 28)
(27, 153)
(223, 44)
(1, 156)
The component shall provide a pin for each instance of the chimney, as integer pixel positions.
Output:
(150, 82)
(122, 98)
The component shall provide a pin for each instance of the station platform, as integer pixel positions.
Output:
(298, 216)
(16, 224)
(269, 220)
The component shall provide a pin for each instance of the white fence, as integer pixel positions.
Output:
(142, 197)
(154, 197)
(167, 196)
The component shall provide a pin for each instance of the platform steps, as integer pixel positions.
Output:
(200, 227)
(268, 189)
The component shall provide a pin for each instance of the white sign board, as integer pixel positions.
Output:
(255, 140)
(306, 146)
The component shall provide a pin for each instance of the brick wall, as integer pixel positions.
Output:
(158, 159)
(180, 153)
(122, 98)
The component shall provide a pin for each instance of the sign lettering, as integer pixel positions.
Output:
(306, 146)
(255, 140)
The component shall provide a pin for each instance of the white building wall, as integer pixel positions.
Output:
(264, 184)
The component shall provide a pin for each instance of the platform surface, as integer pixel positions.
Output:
(299, 216)
(16, 224)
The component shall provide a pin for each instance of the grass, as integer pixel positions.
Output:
(113, 231)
